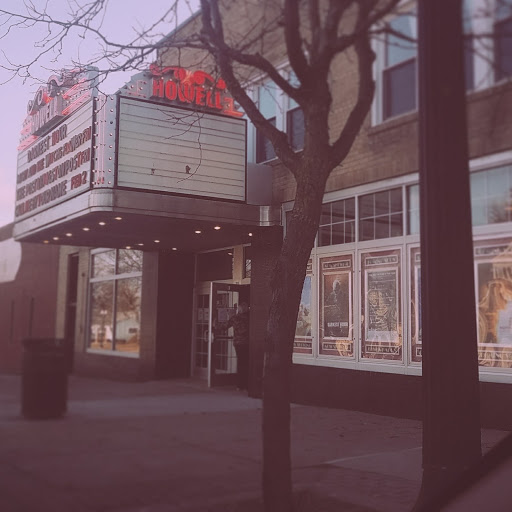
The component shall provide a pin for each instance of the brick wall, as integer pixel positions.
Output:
(27, 304)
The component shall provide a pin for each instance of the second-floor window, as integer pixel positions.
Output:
(267, 103)
(503, 39)
(399, 73)
(487, 55)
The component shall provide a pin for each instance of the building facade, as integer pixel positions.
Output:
(167, 240)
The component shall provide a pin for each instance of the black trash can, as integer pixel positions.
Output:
(44, 380)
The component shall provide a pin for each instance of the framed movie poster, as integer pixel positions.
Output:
(415, 304)
(493, 273)
(336, 306)
(381, 325)
(303, 343)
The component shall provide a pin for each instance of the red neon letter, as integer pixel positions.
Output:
(170, 90)
(158, 87)
(199, 96)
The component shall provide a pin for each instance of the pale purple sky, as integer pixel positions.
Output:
(122, 18)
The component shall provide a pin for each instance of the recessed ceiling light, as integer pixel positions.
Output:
(197, 231)
(250, 234)
(46, 242)
(69, 234)
(55, 237)
(174, 248)
(217, 228)
(102, 223)
(156, 241)
(86, 229)
(118, 218)
(140, 245)
(128, 246)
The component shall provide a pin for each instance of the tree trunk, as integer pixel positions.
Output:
(287, 282)
(451, 428)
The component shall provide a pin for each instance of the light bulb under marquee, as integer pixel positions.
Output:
(69, 234)
(197, 231)
(102, 223)
(86, 229)
(216, 228)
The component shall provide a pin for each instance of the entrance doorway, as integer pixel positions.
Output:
(214, 353)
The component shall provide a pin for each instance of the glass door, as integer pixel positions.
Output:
(222, 361)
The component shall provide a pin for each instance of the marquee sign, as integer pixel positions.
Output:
(56, 167)
(62, 95)
(176, 85)
(75, 139)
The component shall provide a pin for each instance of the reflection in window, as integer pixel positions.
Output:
(129, 261)
(102, 324)
(128, 314)
(115, 301)
(380, 215)
(103, 263)
(491, 196)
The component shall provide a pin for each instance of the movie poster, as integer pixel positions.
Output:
(415, 298)
(381, 316)
(494, 292)
(336, 306)
(303, 343)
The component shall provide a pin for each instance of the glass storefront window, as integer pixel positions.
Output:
(129, 261)
(380, 215)
(491, 196)
(102, 314)
(413, 210)
(381, 324)
(103, 263)
(337, 223)
(128, 314)
(115, 301)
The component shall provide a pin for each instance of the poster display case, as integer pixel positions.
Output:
(303, 343)
(493, 284)
(336, 306)
(415, 305)
(381, 325)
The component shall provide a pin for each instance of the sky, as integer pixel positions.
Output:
(121, 21)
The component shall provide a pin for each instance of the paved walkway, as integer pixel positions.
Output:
(168, 446)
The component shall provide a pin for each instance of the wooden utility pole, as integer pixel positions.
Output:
(451, 424)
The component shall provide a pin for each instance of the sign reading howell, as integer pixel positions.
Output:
(60, 97)
(196, 88)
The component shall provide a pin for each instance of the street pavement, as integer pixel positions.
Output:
(169, 446)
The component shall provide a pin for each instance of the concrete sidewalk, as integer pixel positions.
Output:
(168, 446)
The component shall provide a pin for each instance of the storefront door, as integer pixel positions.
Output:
(222, 363)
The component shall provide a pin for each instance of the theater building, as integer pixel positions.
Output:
(168, 206)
